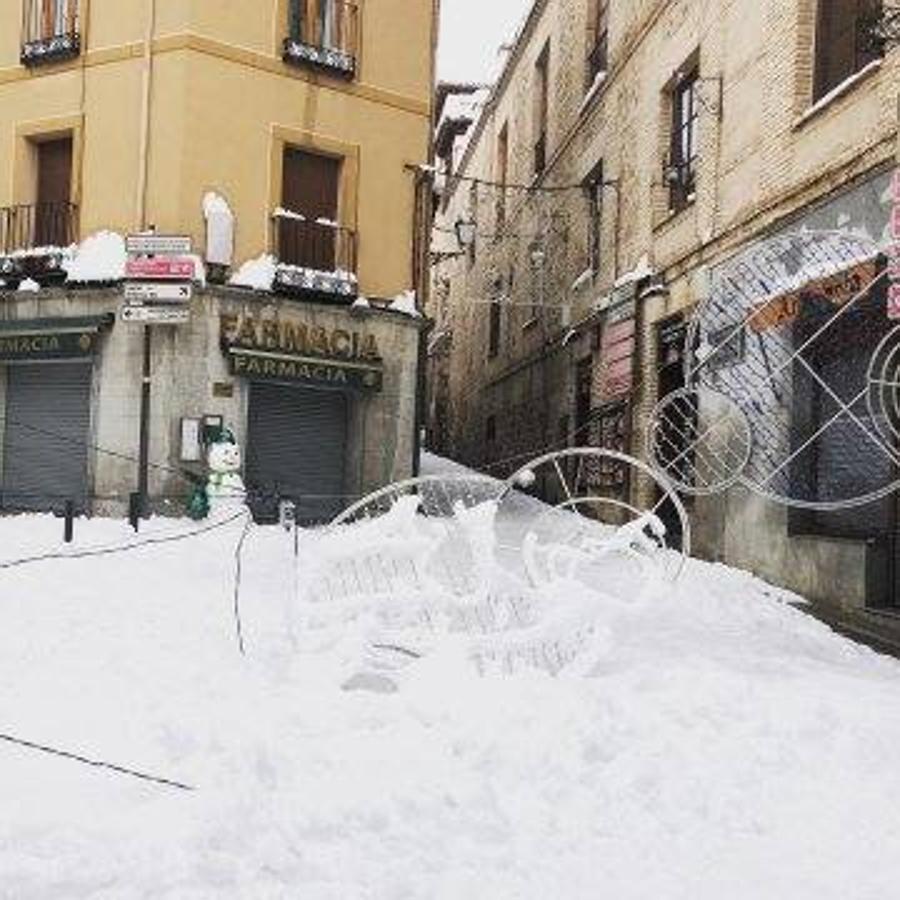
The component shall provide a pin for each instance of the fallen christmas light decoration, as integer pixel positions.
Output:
(463, 556)
(699, 460)
(592, 535)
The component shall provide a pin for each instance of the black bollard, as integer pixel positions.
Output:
(134, 510)
(69, 526)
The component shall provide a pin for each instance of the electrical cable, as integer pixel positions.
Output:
(121, 548)
(100, 764)
(238, 572)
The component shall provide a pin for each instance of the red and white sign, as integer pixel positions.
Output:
(160, 268)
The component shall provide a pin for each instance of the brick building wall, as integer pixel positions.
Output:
(765, 152)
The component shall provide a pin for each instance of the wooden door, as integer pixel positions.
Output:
(310, 184)
(54, 183)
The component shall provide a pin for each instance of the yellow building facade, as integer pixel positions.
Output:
(292, 135)
(165, 100)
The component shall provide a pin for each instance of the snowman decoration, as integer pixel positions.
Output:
(224, 485)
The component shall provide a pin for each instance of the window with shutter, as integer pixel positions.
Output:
(842, 48)
(309, 191)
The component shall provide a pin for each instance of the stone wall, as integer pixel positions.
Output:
(191, 378)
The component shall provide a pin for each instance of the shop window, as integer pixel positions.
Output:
(842, 45)
(50, 31)
(681, 168)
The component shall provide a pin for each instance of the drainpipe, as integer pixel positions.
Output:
(140, 508)
(146, 87)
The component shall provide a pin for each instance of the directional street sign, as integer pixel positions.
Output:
(148, 291)
(160, 268)
(165, 314)
(157, 244)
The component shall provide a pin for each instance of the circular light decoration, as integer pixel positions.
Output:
(788, 336)
(884, 387)
(701, 449)
(589, 528)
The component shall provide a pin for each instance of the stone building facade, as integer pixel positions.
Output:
(628, 153)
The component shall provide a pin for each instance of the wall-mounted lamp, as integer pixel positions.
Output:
(466, 232)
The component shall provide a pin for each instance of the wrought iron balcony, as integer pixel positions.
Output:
(32, 240)
(323, 34)
(50, 31)
(314, 257)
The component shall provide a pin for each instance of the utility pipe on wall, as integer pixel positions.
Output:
(146, 89)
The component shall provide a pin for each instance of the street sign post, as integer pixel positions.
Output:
(162, 314)
(166, 291)
(160, 268)
(157, 244)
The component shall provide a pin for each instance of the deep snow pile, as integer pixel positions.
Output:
(718, 744)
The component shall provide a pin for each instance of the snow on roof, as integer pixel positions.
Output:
(258, 273)
(405, 303)
(98, 258)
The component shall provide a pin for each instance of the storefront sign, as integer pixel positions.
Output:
(292, 337)
(837, 289)
(308, 370)
(617, 356)
(292, 350)
(43, 346)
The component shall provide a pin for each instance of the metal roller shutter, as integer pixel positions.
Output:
(296, 449)
(45, 453)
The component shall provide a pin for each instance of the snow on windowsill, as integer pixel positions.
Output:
(593, 90)
(405, 303)
(257, 274)
(838, 91)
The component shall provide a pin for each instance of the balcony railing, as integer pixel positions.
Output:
(37, 225)
(50, 31)
(324, 34)
(32, 238)
(314, 256)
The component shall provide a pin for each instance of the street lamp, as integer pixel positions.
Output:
(466, 232)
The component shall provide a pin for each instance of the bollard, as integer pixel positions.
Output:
(69, 525)
(134, 510)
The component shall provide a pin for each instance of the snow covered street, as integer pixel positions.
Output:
(714, 741)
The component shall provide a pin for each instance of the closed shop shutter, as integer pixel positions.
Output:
(45, 452)
(296, 449)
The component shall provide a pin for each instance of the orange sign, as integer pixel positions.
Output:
(836, 289)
